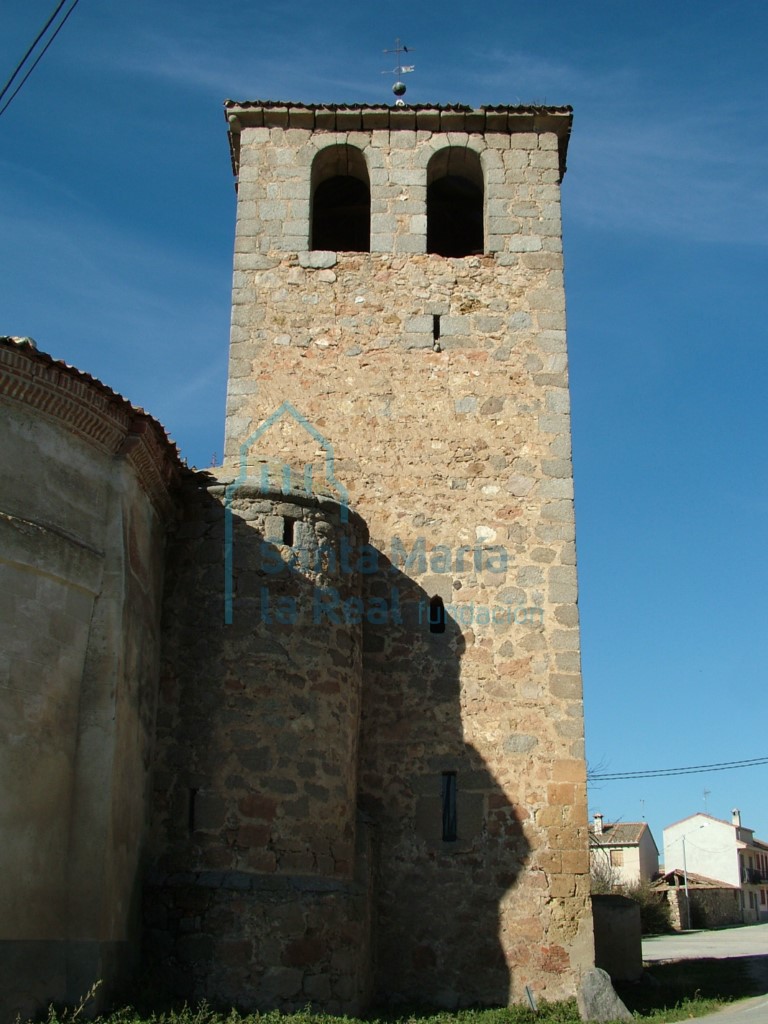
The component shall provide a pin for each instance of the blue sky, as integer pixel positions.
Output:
(117, 219)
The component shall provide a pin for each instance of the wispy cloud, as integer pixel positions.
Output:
(121, 305)
(641, 160)
(102, 269)
(244, 55)
(520, 77)
(673, 177)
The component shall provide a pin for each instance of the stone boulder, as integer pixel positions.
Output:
(597, 998)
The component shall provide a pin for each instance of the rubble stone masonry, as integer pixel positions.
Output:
(359, 795)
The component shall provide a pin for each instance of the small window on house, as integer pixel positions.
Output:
(455, 203)
(436, 615)
(341, 201)
(617, 858)
(448, 794)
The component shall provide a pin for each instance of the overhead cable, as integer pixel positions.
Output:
(720, 766)
(39, 57)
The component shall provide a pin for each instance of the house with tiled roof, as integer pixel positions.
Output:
(696, 901)
(726, 851)
(623, 852)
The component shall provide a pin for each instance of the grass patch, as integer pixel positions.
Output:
(548, 1013)
(684, 1010)
(669, 992)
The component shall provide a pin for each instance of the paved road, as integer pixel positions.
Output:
(750, 1011)
(749, 940)
(745, 940)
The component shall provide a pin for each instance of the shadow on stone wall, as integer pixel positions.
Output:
(437, 937)
(302, 842)
(255, 895)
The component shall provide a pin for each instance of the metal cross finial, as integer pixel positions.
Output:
(402, 69)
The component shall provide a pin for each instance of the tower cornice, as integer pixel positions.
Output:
(351, 117)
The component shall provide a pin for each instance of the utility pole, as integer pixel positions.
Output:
(685, 884)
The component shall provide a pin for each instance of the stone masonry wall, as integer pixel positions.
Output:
(521, 171)
(710, 908)
(441, 386)
(257, 893)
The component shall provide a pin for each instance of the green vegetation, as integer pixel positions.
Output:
(669, 992)
(654, 910)
(548, 1013)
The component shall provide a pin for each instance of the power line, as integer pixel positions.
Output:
(23, 60)
(40, 56)
(720, 766)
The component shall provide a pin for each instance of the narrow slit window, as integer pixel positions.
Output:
(436, 327)
(450, 834)
(436, 615)
(191, 810)
(288, 531)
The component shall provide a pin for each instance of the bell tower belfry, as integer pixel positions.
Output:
(398, 285)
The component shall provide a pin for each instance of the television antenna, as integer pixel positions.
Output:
(399, 70)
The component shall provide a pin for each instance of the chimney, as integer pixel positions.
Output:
(598, 828)
(736, 817)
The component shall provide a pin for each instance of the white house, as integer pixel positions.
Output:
(622, 852)
(723, 850)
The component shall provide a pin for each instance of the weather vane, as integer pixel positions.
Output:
(402, 69)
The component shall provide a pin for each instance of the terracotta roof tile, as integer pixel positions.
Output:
(694, 881)
(37, 381)
(30, 349)
(623, 833)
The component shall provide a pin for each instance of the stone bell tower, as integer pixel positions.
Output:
(399, 280)
(402, 623)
